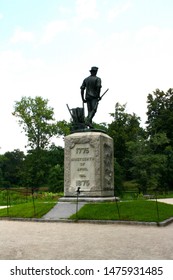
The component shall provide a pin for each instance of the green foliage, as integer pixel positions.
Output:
(160, 113)
(2, 161)
(63, 127)
(37, 120)
(145, 156)
(124, 128)
(118, 178)
(130, 186)
(11, 167)
(56, 179)
(22, 195)
(101, 126)
(147, 166)
(32, 170)
(55, 155)
(167, 179)
(35, 169)
(3, 197)
(160, 132)
(49, 196)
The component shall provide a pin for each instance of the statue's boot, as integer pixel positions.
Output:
(90, 125)
(89, 122)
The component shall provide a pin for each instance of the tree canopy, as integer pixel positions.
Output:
(160, 113)
(36, 118)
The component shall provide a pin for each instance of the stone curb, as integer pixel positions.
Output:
(121, 222)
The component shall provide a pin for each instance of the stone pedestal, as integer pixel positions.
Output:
(89, 165)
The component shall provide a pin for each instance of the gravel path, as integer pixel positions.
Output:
(73, 241)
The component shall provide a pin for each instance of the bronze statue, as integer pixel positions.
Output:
(92, 85)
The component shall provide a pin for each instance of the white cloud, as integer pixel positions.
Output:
(118, 10)
(86, 9)
(65, 11)
(52, 29)
(13, 62)
(1, 16)
(160, 38)
(20, 76)
(22, 36)
(9, 61)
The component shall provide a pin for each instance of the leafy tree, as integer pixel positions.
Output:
(64, 127)
(160, 113)
(167, 178)
(148, 164)
(55, 158)
(37, 120)
(2, 161)
(118, 178)
(12, 167)
(101, 126)
(55, 180)
(160, 122)
(36, 171)
(155, 110)
(124, 128)
(55, 155)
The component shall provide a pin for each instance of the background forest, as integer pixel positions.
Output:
(143, 156)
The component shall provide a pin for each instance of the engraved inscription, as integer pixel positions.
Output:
(82, 167)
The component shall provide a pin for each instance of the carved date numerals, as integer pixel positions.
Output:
(82, 150)
(82, 183)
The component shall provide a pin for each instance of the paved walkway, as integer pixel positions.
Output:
(63, 210)
(166, 200)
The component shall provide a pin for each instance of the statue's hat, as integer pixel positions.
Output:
(94, 68)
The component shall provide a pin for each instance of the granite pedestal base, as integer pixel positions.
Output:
(89, 166)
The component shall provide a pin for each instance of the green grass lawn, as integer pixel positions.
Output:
(138, 210)
(26, 210)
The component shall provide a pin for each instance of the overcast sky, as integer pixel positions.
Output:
(47, 48)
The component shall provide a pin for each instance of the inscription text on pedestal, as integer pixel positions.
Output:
(82, 167)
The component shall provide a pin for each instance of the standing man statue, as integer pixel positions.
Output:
(92, 85)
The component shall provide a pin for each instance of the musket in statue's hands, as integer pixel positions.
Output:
(100, 97)
(103, 94)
